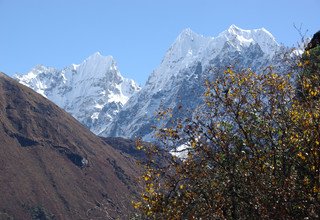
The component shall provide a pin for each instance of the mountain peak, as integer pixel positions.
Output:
(97, 57)
(97, 53)
(187, 35)
(97, 66)
(40, 68)
(188, 43)
(241, 37)
(187, 32)
(178, 79)
(234, 28)
(92, 91)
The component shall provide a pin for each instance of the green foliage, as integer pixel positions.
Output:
(252, 152)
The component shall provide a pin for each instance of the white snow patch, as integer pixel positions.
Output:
(98, 106)
(181, 151)
(95, 116)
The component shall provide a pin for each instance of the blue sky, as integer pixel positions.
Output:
(137, 33)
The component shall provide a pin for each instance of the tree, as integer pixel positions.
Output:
(309, 73)
(251, 151)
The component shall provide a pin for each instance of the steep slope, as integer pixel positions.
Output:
(178, 81)
(93, 91)
(53, 167)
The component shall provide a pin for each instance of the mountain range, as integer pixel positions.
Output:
(96, 94)
(53, 167)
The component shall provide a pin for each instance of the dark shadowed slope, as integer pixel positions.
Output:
(51, 167)
(126, 147)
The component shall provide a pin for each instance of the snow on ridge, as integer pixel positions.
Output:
(190, 47)
(92, 91)
(179, 77)
(188, 41)
(261, 36)
(97, 94)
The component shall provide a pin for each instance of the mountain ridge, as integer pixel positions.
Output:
(93, 91)
(51, 165)
(178, 80)
(187, 63)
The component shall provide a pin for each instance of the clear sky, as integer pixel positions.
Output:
(137, 33)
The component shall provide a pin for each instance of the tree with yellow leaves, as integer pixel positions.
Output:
(251, 151)
(309, 72)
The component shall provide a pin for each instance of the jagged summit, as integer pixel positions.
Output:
(187, 43)
(97, 58)
(96, 66)
(241, 37)
(92, 91)
(178, 80)
(233, 27)
(96, 54)
(239, 31)
(190, 47)
(187, 33)
(97, 95)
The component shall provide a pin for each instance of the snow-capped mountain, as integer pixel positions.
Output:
(96, 94)
(93, 92)
(178, 82)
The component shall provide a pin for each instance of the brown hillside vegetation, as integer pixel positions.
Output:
(51, 167)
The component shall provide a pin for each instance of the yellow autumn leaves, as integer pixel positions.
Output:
(254, 152)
